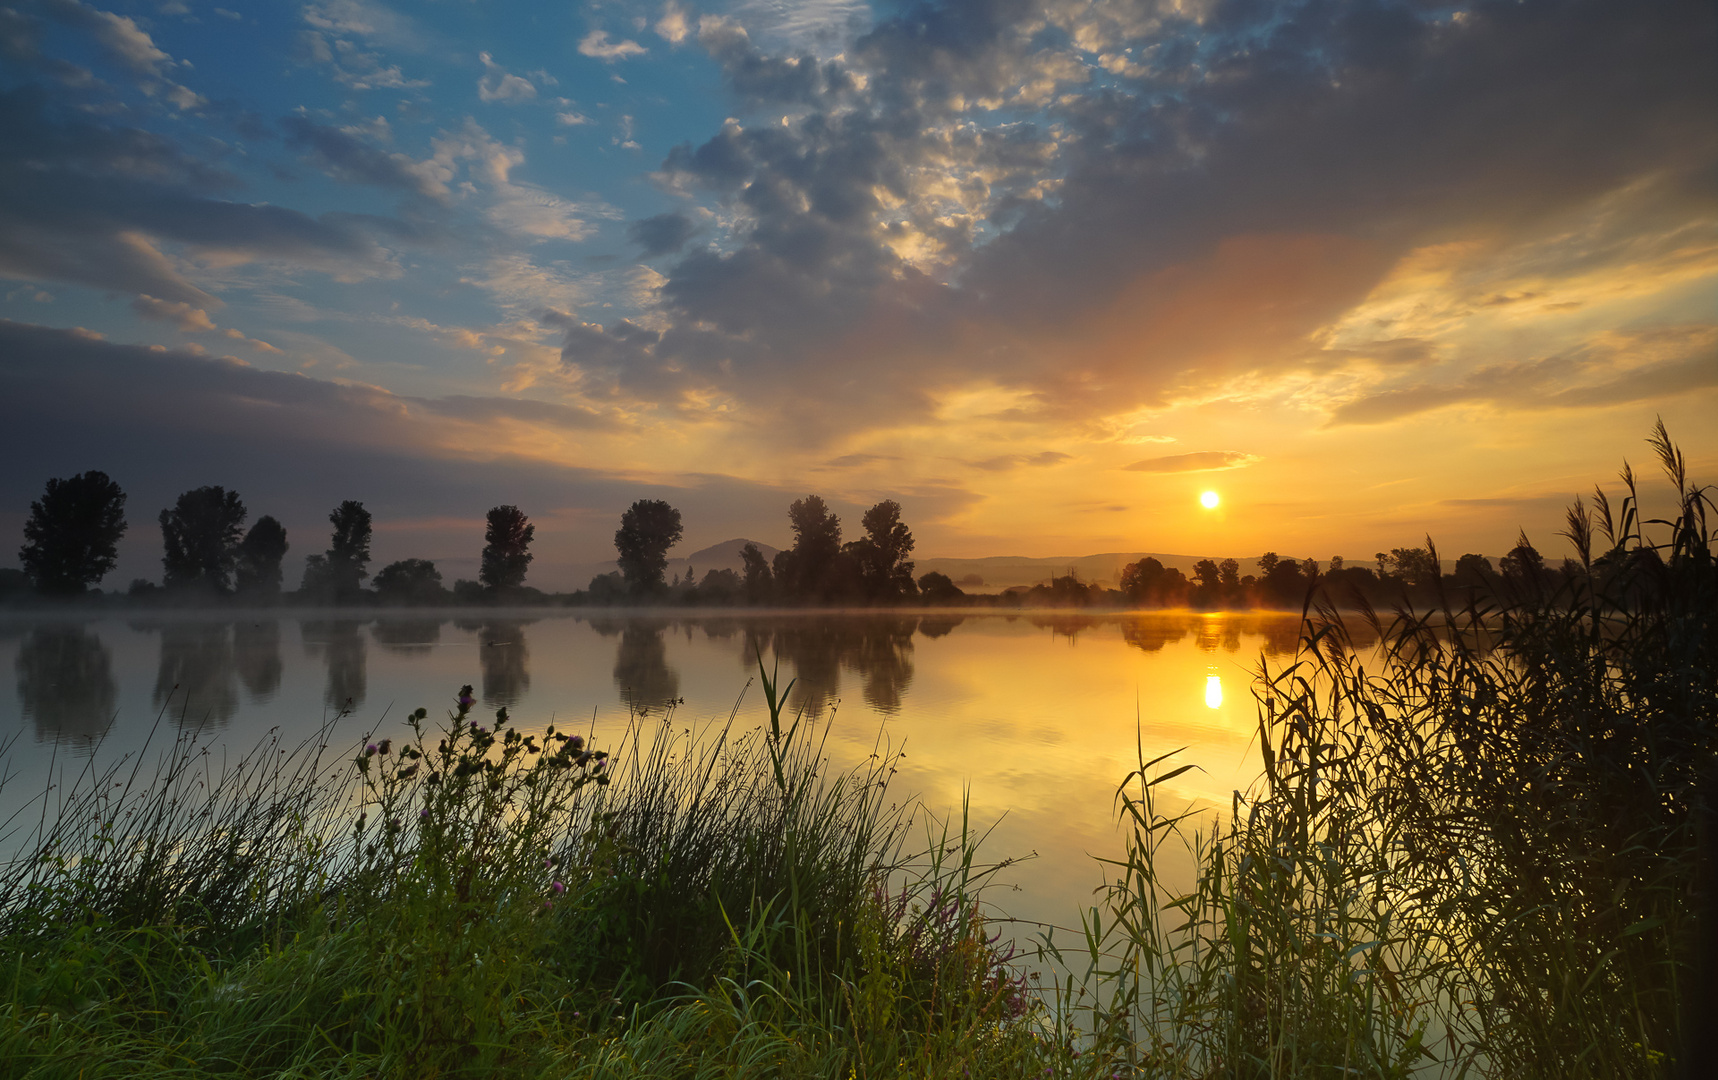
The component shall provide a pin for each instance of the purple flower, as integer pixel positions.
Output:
(557, 888)
(369, 750)
(577, 742)
(423, 815)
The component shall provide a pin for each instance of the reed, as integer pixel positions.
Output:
(1473, 851)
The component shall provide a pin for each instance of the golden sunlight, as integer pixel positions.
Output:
(1213, 691)
(1209, 500)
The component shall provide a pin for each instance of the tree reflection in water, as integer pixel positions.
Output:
(340, 644)
(407, 637)
(641, 671)
(65, 683)
(505, 659)
(256, 652)
(877, 648)
(195, 679)
(1150, 633)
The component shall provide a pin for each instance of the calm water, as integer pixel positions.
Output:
(1034, 718)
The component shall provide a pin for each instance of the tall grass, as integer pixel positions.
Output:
(1479, 854)
(475, 899)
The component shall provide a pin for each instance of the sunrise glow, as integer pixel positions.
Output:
(460, 259)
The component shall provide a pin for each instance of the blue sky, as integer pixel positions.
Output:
(1042, 270)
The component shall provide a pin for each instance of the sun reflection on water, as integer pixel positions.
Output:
(1213, 691)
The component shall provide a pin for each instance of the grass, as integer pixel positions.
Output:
(474, 900)
(1482, 848)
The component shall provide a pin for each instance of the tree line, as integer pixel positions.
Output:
(73, 532)
(71, 542)
(820, 568)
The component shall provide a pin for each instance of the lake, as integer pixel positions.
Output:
(1032, 718)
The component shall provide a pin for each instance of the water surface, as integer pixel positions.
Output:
(1031, 719)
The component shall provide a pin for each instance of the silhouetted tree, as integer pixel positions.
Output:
(759, 582)
(1205, 572)
(719, 587)
(936, 588)
(260, 553)
(348, 549)
(1335, 563)
(505, 550)
(808, 570)
(1474, 570)
(1523, 565)
(1415, 566)
(72, 536)
(410, 581)
(200, 536)
(647, 530)
(1229, 573)
(885, 572)
(1268, 562)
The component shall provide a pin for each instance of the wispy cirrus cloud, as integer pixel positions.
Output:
(1200, 461)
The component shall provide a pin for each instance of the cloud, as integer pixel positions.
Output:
(188, 319)
(663, 234)
(857, 461)
(497, 85)
(1203, 461)
(597, 45)
(114, 207)
(131, 47)
(672, 27)
(1614, 369)
(346, 155)
(1014, 461)
(161, 421)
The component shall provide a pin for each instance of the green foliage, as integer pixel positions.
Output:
(478, 900)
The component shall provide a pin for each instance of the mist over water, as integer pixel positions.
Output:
(1032, 719)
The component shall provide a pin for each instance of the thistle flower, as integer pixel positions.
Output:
(557, 888)
(384, 746)
(370, 750)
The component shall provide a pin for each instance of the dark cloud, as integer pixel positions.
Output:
(1203, 461)
(1104, 226)
(663, 234)
(92, 203)
(855, 461)
(1685, 359)
(162, 421)
(346, 156)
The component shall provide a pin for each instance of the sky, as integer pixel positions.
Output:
(1043, 271)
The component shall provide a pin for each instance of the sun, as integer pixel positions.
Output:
(1209, 500)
